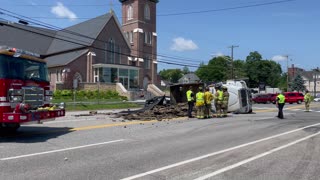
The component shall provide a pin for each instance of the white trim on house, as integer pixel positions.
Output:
(115, 66)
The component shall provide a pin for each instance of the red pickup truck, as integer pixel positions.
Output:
(294, 97)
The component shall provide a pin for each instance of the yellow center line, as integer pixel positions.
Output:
(292, 107)
(122, 124)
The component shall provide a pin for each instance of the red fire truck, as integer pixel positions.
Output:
(25, 95)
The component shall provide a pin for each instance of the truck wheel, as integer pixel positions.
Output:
(10, 128)
(299, 102)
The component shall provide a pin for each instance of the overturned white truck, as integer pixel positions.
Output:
(239, 96)
(239, 99)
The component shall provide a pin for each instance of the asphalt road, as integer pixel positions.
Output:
(244, 146)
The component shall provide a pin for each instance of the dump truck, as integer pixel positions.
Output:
(239, 98)
(25, 95)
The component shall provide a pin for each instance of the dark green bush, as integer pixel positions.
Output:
(88, 94)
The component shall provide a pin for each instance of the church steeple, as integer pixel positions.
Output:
(111, 7)
(139, 24)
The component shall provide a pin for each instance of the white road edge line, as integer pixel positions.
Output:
(255, 158)
(60, 150)
(67, 121)
(214, 153)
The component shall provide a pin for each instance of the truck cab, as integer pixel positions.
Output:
(25, 95)
(239, 96)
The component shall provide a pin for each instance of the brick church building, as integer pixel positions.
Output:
(99, 50)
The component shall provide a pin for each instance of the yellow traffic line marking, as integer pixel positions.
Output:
(292, 107)
(123, 124)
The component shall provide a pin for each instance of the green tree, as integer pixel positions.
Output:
(172, 75)
(239, 69)
(185, 70)
(298, 84)
(254, 56)
(262, 71)
(218, 69)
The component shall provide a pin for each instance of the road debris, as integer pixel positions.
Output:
(158, 112)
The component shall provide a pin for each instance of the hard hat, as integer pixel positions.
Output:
(200, 87)
(224, 87)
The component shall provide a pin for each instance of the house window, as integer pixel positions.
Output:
(130, 12)
(147, 12)
(148, 37)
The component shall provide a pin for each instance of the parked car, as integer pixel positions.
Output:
(294, 97)
(316, 99)
(264, 98)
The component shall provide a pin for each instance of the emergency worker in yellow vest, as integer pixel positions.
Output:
(200, 103)
(307, 100)
(281, 99)
(208, 97)
(190, 98)
(225, 101)
(218, 98)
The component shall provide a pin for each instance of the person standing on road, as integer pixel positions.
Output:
(208, 97)
(190, 98)
(281, 99)
(200, 103)
(307, 100)
(225, 101)
(218, 98)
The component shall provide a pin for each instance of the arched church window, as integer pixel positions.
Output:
(147, 12)
(130, 12)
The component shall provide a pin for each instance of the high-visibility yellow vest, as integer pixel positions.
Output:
(282, 98)
(220, 95)
(200, 99)
(189, 98)
(307, 97)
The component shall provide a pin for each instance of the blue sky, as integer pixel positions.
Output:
(280, 28)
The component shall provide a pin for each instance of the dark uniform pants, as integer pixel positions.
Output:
(280, 113)
(190, 108)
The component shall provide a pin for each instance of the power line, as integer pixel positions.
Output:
(226, 9)
(48, 5)
(52, 27)
(97, 48)
(182, 13)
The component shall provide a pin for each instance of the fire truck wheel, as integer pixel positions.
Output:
(10, 128)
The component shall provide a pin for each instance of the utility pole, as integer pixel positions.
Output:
(315, 81)
(232, 70)
(287, 58)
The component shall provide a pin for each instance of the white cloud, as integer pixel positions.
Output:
(218, 54)
(279, 58)
(181, 44)
(61, 11)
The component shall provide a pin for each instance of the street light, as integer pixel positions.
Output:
(316, 71)
(287, 59)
